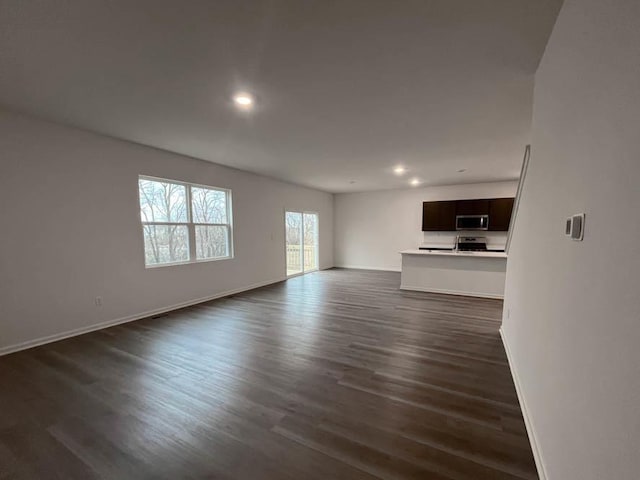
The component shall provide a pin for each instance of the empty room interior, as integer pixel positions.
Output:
(317, 239)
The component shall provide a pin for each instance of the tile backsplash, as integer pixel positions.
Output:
(495, 240)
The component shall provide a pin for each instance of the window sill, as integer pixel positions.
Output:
(189, 262)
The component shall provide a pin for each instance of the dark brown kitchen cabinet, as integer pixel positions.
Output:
(472, 207)
(439, 216)
(500, 213)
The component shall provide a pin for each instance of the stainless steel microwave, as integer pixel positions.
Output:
(472, 222)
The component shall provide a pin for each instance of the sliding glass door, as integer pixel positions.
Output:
(310, 236)
(301, 238)
(293, 239)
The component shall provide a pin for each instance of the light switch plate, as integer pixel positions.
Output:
(577, 227)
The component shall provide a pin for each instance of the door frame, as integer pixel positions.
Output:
(284, 219)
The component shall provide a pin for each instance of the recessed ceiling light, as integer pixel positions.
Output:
(243, 100)
(399, 170)
(415, 182)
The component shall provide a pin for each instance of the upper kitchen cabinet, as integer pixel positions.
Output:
(500, 214)
(472, 207)
(439, 216)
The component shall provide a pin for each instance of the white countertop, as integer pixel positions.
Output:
(454, 253)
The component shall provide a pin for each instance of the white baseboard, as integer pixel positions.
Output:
(364, 267)
(451, 292)
(533, 439)
(131, 318)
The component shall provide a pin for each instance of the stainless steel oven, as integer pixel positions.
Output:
(472, 222)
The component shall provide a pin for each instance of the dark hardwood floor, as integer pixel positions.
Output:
(334, 375)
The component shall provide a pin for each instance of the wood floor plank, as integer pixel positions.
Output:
(333, 375)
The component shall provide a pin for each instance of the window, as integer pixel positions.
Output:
(184, 223)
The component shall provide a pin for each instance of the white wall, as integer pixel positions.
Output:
(372, 227)
(70, 230)
(572, 309)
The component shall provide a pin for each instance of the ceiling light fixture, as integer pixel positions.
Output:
(399, 170)
(243, 100)
(415, 182)
(462, 170)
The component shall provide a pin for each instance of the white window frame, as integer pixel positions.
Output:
(191, 226)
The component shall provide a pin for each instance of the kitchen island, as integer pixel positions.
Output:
(477, 274)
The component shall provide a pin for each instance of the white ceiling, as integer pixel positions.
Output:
(345, 89)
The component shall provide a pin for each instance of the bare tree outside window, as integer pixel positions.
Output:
(310, 233)
(183, 222)
(210, 219)
(294, 227)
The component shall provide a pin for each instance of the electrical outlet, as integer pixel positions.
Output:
(98, 301)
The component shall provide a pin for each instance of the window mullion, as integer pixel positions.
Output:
(191, 227)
